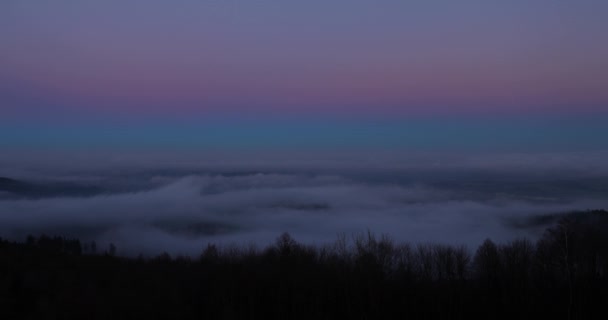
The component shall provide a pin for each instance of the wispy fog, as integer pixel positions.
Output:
(179, 209)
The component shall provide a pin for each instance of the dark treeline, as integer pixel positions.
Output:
(564, 275)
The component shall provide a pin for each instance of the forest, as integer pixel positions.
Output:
(561, 275)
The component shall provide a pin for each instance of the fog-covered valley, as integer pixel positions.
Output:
(182, 209)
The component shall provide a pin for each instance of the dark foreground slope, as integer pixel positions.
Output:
(562, 276)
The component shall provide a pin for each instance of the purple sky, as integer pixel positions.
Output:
(519, 74)
(314, 57)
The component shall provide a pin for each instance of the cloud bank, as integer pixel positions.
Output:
(181, 214)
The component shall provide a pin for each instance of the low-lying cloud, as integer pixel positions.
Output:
(181, 214)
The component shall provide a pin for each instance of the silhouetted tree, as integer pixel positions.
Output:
(487, 264)
(111, 249)
(367, 277)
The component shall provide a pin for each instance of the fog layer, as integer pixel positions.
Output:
(180, 212)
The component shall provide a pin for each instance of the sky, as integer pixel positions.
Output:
(274, 74)
(164, 125)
